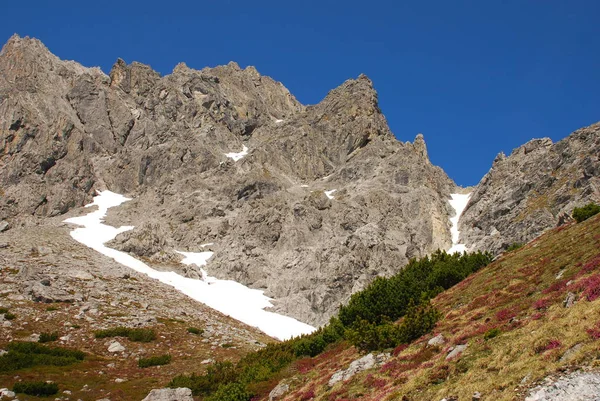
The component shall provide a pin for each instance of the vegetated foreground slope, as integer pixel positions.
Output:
(531, 313)
(55, 290)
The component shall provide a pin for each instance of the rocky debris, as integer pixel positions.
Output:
(437, 340)
(170, 394)
(456, 351)
(4, 226)
(532, 190)
(115, 346)
(576, 386)
(366, 362)
(69, 130)
(476, 396)
(279, 391)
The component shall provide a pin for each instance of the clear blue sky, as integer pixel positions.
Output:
(475, 77)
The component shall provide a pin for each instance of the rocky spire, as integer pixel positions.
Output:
(421, 147)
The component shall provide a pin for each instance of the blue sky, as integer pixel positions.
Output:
(475, 77)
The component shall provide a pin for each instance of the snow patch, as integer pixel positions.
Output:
(278, 121)
(226, 296)
(459, 203)
(329, 193)
(238, 156)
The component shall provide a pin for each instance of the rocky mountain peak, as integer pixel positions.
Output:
(421, 147)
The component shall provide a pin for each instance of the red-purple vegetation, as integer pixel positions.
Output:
(307, 395)
(399, 349)
(594, 332)
(557, 286)
(591, 265)
(541, 304)
(590, 287)
(505, 314)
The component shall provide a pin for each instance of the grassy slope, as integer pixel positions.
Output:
(520, 295)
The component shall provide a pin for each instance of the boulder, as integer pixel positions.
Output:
(170, 394)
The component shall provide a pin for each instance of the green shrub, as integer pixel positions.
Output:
(216, 375)
(491, 333)
(367, 322)
(138, 335)
(389, 298)
(195, 330)
(26, 355)
(583, 213)
(48, 337)
(154, 361)
(514, 246)
(419, 320)
(368, 336)
(39, 389)
(9, 316)
(3, 310)
(51, 308)
(231, 392)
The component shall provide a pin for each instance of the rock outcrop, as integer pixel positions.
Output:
(533, 189)
(67, 130)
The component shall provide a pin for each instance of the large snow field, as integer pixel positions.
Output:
(229, 297)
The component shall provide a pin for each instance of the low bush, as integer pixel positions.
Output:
(154, 361)
(48, 337)
(389, 298)
(138, 335)
(23, 355)
(583, 213)
(39, 389)
(195, 330)
(10, 316)
(231, 392)
(491, 333)
(514, 246)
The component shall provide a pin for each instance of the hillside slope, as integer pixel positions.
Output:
(532, 313)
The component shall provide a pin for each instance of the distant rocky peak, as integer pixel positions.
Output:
(420, 146)
(135, 77)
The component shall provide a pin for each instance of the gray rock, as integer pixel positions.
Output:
(576, 386)
(570, 353)
(115, 346)
(4, 392)
(279, 391)
(436, 341)
(170, 394)
(4, 226)
(456, 351)
(570, 300)
(366, 362)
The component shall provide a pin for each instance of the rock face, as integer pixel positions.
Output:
(67, 130)
(533, 189)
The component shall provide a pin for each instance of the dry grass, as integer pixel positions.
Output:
(521, 296)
